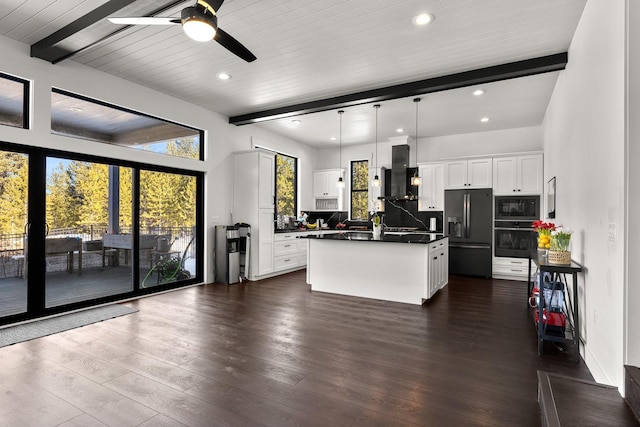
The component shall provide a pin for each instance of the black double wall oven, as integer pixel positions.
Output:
(513, 225)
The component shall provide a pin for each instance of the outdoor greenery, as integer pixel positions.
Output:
(13, 192)
(285, 185)
(360, 190)
(78, 195)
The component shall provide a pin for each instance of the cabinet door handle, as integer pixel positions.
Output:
(435, 257)
(517, 270)
(287, 246)
(287, 260)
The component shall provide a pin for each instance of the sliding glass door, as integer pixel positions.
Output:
(85, 258)
(80, 231)
(167, 219)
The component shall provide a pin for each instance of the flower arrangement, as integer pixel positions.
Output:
(543, 227)
(560, 239)
(544, 230)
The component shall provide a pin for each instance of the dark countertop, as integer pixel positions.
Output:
(424, 238)
(298, 230)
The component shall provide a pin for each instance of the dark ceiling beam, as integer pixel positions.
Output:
(46, 48)
(527, 67)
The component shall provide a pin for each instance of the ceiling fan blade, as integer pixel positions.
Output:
(233, 45)
(213, 4)
(145, 20)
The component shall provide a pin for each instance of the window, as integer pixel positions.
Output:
(14, 93)
(360, 190)
(81, 117)
(286, 185)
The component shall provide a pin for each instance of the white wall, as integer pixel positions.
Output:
(632, 331)
(221, 138)
(584, 142)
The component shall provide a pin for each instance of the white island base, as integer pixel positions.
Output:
(387, 271)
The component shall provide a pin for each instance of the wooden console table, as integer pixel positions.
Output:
(558, 274)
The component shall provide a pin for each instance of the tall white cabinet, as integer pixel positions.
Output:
(431, 192)
(253, 203)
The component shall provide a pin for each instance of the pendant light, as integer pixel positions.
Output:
(376, 178)
(340, 183)
(415, 179)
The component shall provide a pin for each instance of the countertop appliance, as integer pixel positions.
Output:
(468, 224)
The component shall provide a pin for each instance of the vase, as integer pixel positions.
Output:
(559, 257)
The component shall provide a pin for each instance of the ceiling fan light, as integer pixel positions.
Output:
(198, 25)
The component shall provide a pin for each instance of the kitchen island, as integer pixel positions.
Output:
(408, 268)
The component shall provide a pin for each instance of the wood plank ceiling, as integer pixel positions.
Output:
(309, 50)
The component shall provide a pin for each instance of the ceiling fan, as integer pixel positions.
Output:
(199, 22)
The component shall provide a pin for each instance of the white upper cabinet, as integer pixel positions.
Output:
(471, 173)
(518, 175)
(324, 183)
(431, 192)
(266, 181)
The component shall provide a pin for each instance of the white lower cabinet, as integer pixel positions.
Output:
(290, 252)
(512, 268)
(438, 266)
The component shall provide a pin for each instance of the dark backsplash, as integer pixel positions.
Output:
(403, 213)
(400, 215)
(330, 218)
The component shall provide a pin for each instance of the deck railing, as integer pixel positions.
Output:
(181, 240)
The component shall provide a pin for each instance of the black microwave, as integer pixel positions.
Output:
(517, 208)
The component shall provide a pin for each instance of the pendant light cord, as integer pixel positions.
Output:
(416, 100)
(340, 112)
(377, 107)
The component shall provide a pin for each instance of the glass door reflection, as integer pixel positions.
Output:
(14, 172)
(167, 250)
(88, 208)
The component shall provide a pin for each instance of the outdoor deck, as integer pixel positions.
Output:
(63, 287)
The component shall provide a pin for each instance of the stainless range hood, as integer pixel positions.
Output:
(400, 176)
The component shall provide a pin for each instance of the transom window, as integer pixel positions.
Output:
(14, 106)
(81, 117)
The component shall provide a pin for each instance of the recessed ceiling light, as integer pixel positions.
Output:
(75, 109)
(295, 122)
(333, 138)
(422, 19)
(484, 119)
(478, 92)
(223, 76)
(399, 130)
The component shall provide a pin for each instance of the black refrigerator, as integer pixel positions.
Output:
(468, 218)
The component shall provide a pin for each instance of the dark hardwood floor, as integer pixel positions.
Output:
(274, 353)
